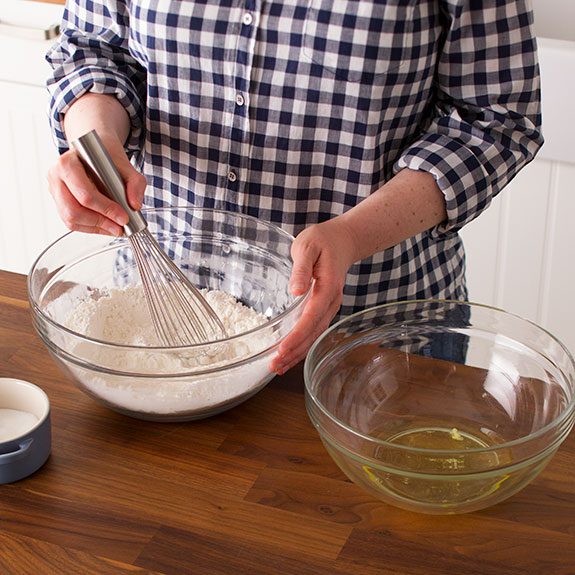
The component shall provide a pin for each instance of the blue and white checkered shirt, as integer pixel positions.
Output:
(296, 110)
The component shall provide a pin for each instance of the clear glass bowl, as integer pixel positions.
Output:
(235, 253)
(440, 406)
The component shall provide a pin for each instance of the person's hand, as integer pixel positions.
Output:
(322, 253)
(79, 203)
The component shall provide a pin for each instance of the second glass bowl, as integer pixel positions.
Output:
(440, 406)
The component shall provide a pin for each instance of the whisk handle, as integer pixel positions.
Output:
(106, 176)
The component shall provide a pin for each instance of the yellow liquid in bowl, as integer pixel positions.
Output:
(446, 439)
(439, 483)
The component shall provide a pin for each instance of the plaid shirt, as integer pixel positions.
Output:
(296, 110)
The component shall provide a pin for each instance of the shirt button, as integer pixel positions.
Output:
(232, 177)
(247, 19)
(240, 101)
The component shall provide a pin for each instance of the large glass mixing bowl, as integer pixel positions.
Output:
(440, 406)
(218, 250)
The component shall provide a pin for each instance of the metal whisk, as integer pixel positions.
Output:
(180, 313)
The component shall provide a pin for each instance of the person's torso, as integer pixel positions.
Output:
(292, 111)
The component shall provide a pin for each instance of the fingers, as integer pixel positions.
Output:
(78, 218)
(315, 319)
(319, 252)
(82, 206)
(85, 192)
(304, 256)
(135, 188)
(134, 181)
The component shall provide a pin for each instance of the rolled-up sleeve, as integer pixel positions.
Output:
(487, 120)
(92, 55)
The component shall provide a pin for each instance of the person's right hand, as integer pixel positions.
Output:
(81, 206)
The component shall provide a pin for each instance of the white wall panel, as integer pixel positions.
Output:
(555, 19)
(481, 240)
(557, 64)
(523, 233)
(28, 218)
(557, 302)
(521, 251)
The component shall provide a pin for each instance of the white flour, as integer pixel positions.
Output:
(121, 316)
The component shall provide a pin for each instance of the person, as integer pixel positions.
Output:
(372, 131)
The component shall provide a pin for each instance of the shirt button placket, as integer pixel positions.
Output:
(239, 163)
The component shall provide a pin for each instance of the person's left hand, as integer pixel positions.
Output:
(322, 253)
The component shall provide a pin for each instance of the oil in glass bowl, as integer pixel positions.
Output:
(434, 451)
(437, 406)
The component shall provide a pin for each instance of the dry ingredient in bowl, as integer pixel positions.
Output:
(121, 316)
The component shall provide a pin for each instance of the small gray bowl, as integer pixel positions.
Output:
(25, 441)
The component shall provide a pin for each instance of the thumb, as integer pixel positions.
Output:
(134, 181)
(135, 188)
(304, 259)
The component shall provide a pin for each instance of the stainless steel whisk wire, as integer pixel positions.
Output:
(180, 313)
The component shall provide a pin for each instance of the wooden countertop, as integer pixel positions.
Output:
(250, 491)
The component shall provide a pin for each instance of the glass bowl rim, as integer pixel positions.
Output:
(298, 300)
(555, 423)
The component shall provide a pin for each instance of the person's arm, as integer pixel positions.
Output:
(92, 56)
(485, 126)
(95, 84)
(410, 203)
(486, 122)
(100, 112)
(79, 203)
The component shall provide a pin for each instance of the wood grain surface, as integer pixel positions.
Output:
(251, 491)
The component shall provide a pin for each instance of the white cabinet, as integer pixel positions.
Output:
(28, 218)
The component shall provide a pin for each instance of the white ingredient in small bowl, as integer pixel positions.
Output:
(14, 423)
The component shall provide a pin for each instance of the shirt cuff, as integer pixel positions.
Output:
(459, 174)
(97, 81)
